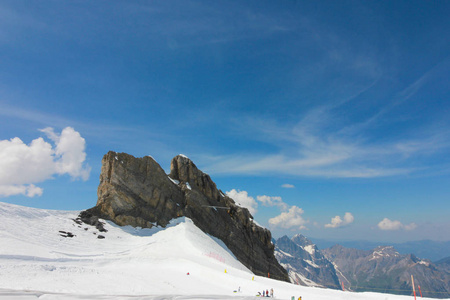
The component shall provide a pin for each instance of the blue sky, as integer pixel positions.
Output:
(327, 118)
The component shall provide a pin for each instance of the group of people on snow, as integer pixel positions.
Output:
(266, 293)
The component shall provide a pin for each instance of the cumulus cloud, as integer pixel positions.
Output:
(243, 199)
(22, 165)
(288, 186)
(387, 224)
(272, 201)
(27, 190)
(339, 222)
(292, 219)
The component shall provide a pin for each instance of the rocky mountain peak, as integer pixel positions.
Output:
(137, 192)
(384, 252)
(184, 170)
(305, 263)
(306, 245)
(302, 240)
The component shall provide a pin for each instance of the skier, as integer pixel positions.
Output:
(271, 292)
(267, 293)
(264, 293)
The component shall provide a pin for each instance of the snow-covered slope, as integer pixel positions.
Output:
(38, 262)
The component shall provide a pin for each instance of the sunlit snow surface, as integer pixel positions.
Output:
(36, 262)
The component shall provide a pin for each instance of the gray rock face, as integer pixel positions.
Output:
(137, 192)
(305, 263)
(383, 269)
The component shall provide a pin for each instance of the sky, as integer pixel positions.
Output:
(326, 118)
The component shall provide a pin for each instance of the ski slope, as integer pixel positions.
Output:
(178, 262)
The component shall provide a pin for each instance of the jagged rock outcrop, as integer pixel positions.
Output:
(305, 263)
(137, 192)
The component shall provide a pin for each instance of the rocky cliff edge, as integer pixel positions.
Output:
(137, 192)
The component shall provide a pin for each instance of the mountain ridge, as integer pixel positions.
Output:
(385, 268)
(137, 192)
(305, 263)
(429, 249)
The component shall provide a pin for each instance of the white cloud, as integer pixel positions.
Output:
(339, 222)
(292, 219)
(272, 201)
(27, 190)
(22, 165)
(243, 199)
(288, 186)
(387, 224)
(70, 150)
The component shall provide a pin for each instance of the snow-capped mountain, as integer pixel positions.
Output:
(386, 270)
(46, 254)
(305, 263)
(432, 250)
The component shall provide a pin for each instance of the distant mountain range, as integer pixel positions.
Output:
(382, 269)
(305, 263)
(432, 250)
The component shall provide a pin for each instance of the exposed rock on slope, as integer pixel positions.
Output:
(137, 191)
(305, 263)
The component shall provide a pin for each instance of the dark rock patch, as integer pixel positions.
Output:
(66, 234)
(90, 219)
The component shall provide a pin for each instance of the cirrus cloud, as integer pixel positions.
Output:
(22, 165)
(288, 186)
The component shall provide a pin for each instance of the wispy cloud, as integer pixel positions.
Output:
(203, 23)
(288, 186)
(321, 144)
(12, 23)
(400, 98)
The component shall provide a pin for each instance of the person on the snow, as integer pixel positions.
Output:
(267, 293)
(271, 292)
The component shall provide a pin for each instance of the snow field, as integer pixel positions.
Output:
(36, 262)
